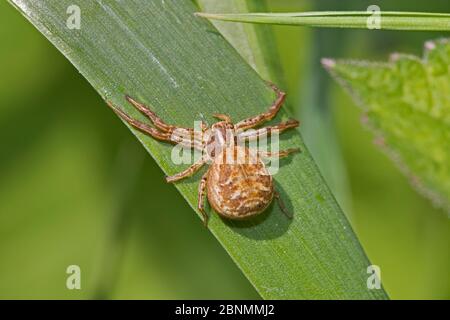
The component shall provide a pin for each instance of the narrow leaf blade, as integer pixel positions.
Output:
(389, 20)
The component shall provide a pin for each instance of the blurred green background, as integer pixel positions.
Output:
(65, 158)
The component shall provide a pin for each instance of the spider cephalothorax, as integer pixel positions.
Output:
(237, 182)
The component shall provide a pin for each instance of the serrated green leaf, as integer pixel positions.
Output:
(407, 105)
(164, 56)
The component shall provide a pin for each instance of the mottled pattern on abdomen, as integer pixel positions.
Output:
(239, 190)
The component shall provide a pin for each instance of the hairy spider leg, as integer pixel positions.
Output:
(268, 115)
(268, 130)
(201, 198)
(223, 117)
(187, 172)
(280, 154)
(157, 121)
(164, 136)
(282, 205)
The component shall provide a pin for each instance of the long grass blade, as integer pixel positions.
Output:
(388, 20)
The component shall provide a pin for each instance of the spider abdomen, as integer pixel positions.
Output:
(239, 189)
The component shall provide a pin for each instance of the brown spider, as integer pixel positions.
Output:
(236, 189)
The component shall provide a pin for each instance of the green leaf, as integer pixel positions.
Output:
(389, 20)
(407, 105)
(164, 56)
(256, 44)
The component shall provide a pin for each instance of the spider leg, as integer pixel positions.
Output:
(223, 117)
(282, 205)
(201, 196)
(186, 173)
(164, 136)
(268, 115)
(268, 130)
(280, 154)
(157, 121)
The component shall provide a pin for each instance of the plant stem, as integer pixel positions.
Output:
(389, 20)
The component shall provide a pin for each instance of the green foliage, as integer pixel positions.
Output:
(256, 44)
(407, 105)
(160, 53)
(390, 20)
